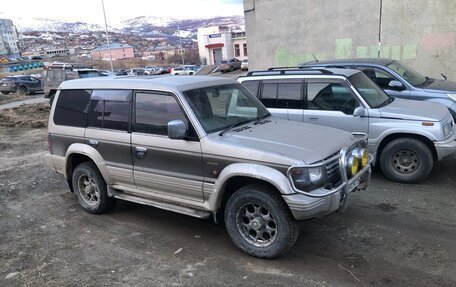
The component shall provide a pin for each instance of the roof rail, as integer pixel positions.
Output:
(287, 71)
(283, 68)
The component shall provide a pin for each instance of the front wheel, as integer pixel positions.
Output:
(90, 189)
(5, 93)
(22, 90)
(406, 160)
(259, 222)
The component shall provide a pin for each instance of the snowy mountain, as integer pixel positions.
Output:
(49, 25)
(141, 26)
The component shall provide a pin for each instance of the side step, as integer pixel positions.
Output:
(162, 205)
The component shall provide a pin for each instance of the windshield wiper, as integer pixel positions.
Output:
(261, 118)
(234, 125)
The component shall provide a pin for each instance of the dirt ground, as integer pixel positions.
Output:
(391, 235)
(26, 116)
(4, 99)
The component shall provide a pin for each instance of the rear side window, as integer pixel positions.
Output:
(71, 108)
(284, 95)
(252, 86)
(110, 109)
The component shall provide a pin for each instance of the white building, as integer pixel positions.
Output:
(218, 43)
(9, 42)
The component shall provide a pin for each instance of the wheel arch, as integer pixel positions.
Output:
(238, 175)
(389, 138)
(79, 153)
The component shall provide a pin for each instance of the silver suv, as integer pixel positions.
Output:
(205, 147)
(404, 136)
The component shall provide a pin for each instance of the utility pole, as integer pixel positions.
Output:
(180, 41)
(107, 37)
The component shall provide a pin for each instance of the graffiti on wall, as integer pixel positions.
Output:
(345, 49)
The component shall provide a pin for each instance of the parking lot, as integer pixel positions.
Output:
(391, 235)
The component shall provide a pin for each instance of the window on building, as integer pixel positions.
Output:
(245, 50)
(237, 50)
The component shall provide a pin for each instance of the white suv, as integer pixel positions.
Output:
(404, 136)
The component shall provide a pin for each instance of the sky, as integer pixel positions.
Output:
(91, 11)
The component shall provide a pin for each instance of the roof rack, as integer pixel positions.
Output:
(290, 71)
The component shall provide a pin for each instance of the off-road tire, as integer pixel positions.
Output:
(5, 93)
(269, 203)
(22, 90)
(100, 202)
(406, 160)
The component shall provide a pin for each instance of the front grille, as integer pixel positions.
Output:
(333, 173)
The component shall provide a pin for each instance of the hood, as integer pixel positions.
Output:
(414, 110)
(441, 86)
(295, 140)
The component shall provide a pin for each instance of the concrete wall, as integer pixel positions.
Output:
(421, 33)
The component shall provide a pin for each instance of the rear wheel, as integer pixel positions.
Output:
(90, 189)
(406, 160)
(259, 222)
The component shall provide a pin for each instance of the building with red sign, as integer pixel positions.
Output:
(218, 43)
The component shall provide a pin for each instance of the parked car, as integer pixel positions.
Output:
(150, 70)
(56, 74)
(245, 65)
(230, 65)
(120, 72)
(205, 147)
(136, 72)
(23, 85)
(184, 70)
(400, 81)
(405, 136)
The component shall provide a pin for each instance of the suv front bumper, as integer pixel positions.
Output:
(446, 148)
(304, 207)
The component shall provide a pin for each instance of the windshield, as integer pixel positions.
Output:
(411, 76)
(371, 93)
(220, 107)
(88, 74)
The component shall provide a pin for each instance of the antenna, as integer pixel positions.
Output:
(316, 60)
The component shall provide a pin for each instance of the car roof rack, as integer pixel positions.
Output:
(290, 71)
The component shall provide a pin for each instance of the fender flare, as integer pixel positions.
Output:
(255, 171)
(90, 152)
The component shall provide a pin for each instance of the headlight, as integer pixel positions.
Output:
(452, 96)
(308, 178)
(352, 165)
(447, 130)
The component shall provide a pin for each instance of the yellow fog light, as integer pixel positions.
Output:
(364, 157)
(362, 154)
(352, 165)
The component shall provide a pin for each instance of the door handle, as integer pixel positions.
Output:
(313, 118)
(93, 143)
(141, 152)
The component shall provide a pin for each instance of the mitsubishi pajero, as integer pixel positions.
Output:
(204, 147)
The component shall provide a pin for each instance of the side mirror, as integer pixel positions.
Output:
(176, 130)
(396, 85)
(360, 112)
